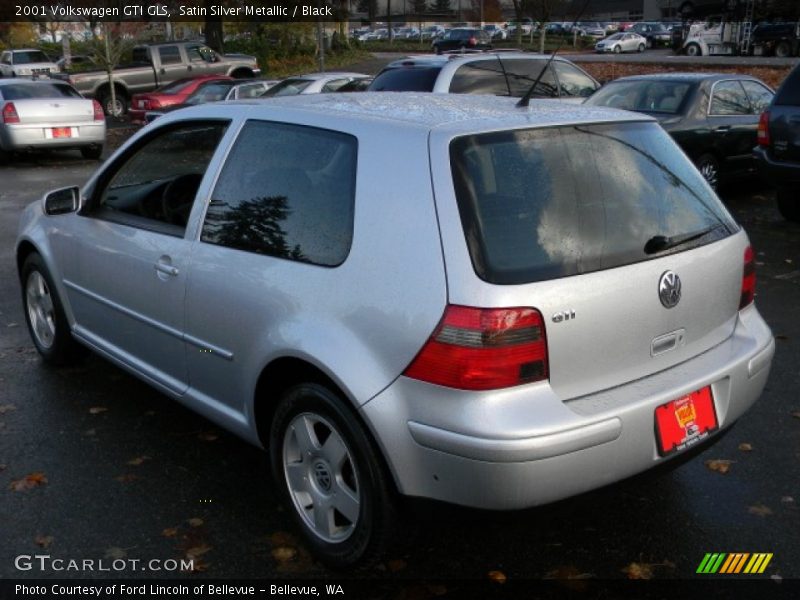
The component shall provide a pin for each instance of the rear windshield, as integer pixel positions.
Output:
(25, 57)
(643, 96)
(406, 79)
(24, 91)
(540, 204)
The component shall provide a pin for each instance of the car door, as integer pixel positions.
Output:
(127, 255)
(172, 64)
(732, 124)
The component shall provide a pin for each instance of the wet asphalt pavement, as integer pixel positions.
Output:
(127, 473)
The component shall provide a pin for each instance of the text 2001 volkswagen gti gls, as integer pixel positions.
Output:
(404, 294)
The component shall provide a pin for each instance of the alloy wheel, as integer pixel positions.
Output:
(41, 312)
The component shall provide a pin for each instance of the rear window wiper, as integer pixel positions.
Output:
(659, 243)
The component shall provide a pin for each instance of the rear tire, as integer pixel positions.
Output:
(783, 50)
(788, 206)
(92, 152)
(641, 48)
(44, 314)
(331, 477)
(117, 109)
(708, 165)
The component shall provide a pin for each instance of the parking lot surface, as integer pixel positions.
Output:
(111, 468)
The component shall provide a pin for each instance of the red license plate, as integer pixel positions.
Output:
(686, 421)
(62, 132)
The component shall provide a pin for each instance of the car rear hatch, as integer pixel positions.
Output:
(595, 226)
(54, 111)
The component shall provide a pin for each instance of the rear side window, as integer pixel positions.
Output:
(789, 92)
(572, 81)
(286, 191)
(728, 99)
(540, 204)
(511, 77)
(760, 96)
(406, 79)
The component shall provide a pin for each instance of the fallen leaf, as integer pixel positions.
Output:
(195, 522)
(784, 499)
(43, 541)
(126, 477)
(745, 447)
(396, 564)
(90, 432)
(7, 408)
(719, 465)
(776, 578)
(29, 481)
(284, 553)
(96, 410)
(170, 532)
(3, 468)
(115, 553)
(497, 576)
(196, 551)
(13, 325)
(760, 510)
(282, 538)
(639, 571)
(796, 414)
(788, 261)
(567, 572)
(135, 462)
(208, 436)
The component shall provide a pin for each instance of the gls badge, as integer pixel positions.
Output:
(669, 289)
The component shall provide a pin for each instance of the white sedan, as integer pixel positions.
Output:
(622, 42)
(312, 83)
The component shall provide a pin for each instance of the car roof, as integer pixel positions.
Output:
(456, 113)
(431, 60)
(27, 50)
(23, 81)
(327, 75)
(687, 77)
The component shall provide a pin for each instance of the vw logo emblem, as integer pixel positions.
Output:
(669, 289)
(323, 475)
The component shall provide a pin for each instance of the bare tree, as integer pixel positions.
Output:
(108, 50)
(542, 11)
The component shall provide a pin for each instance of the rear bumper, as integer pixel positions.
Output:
(777, 173)
(523, 447)
(26, 137)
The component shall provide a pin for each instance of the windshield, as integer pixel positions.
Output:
(650, 96)
(540, 204)
(287, 87)
(212, 92)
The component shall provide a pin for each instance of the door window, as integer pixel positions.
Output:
(760, 95)
(169, 55)
(154, 186)
(728, 99)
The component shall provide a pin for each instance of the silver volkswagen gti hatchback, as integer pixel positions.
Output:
(410, 295)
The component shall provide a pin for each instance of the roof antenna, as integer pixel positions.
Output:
(526, 99)
(505, 75)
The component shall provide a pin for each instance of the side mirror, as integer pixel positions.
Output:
(63, 201)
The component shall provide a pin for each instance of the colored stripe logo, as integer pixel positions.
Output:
(734, 563)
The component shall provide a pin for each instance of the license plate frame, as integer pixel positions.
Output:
(683, 422)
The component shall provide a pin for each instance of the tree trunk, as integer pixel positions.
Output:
(213, 27)
(542, 34)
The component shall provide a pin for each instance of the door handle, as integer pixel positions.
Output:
(723, 128)
(164, 267)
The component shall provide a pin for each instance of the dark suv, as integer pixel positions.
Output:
(462, 38)
(778, 150)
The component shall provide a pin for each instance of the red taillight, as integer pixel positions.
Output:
(98, 111)
(9, 114)
(484, 349)
(763, 129)
(153, 103)
(472, 41)
(748, 278)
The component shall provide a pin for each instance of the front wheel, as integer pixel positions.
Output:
(788, 206)
(617, 49)
(44, 314)
(708, 166)
(641, 48)
(330, 474)
(693, 50)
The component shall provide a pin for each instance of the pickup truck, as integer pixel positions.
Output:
(155, 65)
(776, 39)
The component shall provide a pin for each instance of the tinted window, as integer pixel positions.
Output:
(286, 191)
(157, 183)
(759, 95)
(43, 90)
(491, 77)
(332, 86)
(406, 79)
(572, 81)
(30, 56)
(789, 92)
(176, 87)
(643, 95)
(288, 87)
(728, 98)
(169, 55)
(546, 203)
(211, 92)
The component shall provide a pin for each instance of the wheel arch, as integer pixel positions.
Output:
(24, 249)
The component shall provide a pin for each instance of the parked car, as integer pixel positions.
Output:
(526, 25)
(48, 114)
(499, 74)
(156, 65)
(655, 34)
(462, 38)
(357, 85)
(432, 31)
(174, 93)
(313, 83)
(592, 30)
(621, 42)
(26, 62)
(495, 31)
(407, 33)
(778, 150)
(440, 329)
(713, 117)
(216, 90)
(776, 39)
